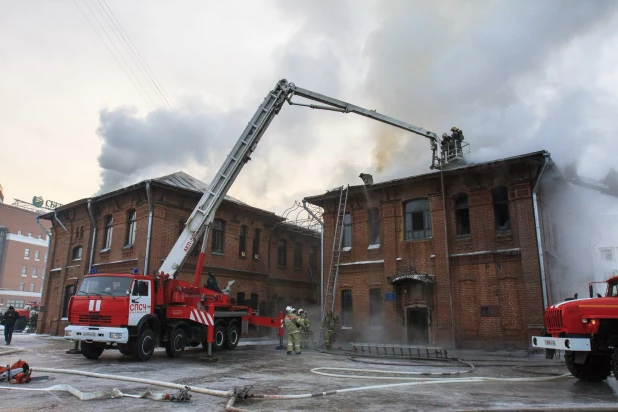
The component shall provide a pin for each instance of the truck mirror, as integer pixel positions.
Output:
(590, 290)
(128, 292)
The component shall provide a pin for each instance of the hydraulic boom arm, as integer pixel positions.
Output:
(200, 220)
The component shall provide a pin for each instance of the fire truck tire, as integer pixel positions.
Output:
(176, 343)
(91, 350)
(144, 346)
(233, 336)
(615, 364)
(219, 337)
(594, 369)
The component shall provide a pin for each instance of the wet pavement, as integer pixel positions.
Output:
(269, 371)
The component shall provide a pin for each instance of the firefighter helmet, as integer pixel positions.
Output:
(300, 311)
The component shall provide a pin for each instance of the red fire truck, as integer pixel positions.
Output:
(136, 313)
(587, 330)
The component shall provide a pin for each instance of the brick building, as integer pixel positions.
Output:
(136, 227)
(395, 282)
(23, 256)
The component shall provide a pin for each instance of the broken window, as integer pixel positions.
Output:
(346, 308)
(256, 244)
(346, 242)
(109, 230)
(500, 199)
(462, 214)
(298, 255)
(242, 241)
(131, 227)
(282, 253)
(373, 221)
(417, 220)
(375, 307)
(607, 254)
(218, 230)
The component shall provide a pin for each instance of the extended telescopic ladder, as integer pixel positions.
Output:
(331, 285)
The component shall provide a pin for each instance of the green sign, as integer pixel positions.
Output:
(37, 201)
(50, 204)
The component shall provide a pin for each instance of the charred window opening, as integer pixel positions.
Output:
(462, 214)
(218, 230)
(346, 242)
(500, 199)
(346, 308)
(417, 220)
(298, 255)
(242, 241)
(109, 230)
(373, 219)
(256, 244)
(282, 253)
(375, 307)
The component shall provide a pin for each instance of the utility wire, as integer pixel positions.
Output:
(141, 59)
(133, 52)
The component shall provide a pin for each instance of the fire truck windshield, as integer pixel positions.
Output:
(104, 285)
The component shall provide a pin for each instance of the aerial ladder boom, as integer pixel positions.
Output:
(203, 215)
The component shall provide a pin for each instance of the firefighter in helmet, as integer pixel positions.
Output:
(292, 326)
(305, 332)
(328, 327)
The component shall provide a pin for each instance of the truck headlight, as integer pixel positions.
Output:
(115, 335)
(68, 333)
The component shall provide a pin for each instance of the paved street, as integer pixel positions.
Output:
(270, 371)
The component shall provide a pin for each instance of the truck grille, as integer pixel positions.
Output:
(95, 319)
(553, 319)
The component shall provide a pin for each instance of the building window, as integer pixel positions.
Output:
(109, 230)
(24, 270)
(298, 255)
(21, 286)
(68, 292)
(34, 271)
(346, 308)
(254, 301)
(36, 255)
(462, 215)
(375, 307)
(19, 232)
(46, 256)
(256, 244)
(218, 229)
(500, 199)
(39, 237)
(77, 253)
(27, 254)
(240, 298)
(417, 220)
(17, 304)
(607, 254)
(32, 287)
(373, 221)
(29, 234)
(242, 241)
(282, 253)
(312, 259)
(131, 227)
(346, 241)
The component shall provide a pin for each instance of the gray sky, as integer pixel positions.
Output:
(515, 76)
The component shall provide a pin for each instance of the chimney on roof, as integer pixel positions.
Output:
(367, 179)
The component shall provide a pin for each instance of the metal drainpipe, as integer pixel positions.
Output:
(539, 241)
(58, 220)
(448, 263)
(321, 257)
(150, 217)
(94, 234)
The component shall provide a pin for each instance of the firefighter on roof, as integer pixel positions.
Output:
(292, 326)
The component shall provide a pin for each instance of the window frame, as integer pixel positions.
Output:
(242, 241)
(131, 228)
(346, 232)
(36, 255)
(604, 250)
(282, 253)
(298, 255)
(22, 286)
(24, 270)
(418, 206)
(26, 253)
(462, 214)
(500, 203)
(257, 233)
(373, 226)
(32, 287)
(79, 250)
(108, 233)
(218, 237)
(347, 308)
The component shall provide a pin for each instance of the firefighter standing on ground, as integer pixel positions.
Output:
(292, 326)
(328, 327)
(305, 333)
(8, 320)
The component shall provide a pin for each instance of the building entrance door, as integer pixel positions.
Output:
(417, 326)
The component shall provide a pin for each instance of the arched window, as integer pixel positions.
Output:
(462, 214)
(500, 199)
(417, 220)
(131, 227)
(218, 230)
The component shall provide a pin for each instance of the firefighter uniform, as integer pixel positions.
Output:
(328, 326)
(292, 326)
(306, 334)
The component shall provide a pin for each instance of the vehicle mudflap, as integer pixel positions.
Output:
(550, 353)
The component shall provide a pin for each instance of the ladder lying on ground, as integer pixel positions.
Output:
(331, 285)
(386, 349)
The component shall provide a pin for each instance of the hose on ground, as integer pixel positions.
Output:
(470, 369)
(111, 394)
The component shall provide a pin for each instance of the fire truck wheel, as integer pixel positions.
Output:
(176, 343)
(615, 364)
(219, 337)
(144, 346)
(90, 350)
(594, 369)
(233, 336)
